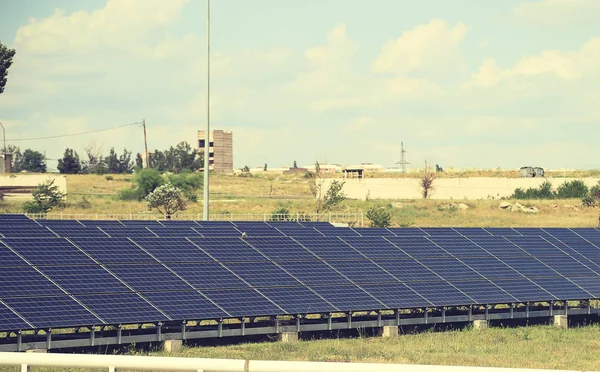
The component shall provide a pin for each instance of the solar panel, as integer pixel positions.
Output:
(243, 302)
(207, 275)
(297, 300)
(419, 247)
(25, 231)
(361, 271)
(13, 217)
(348, 297)
(524, 290)
(267, 274)
(483, 291)
(78, 232)
(567, 266)
(209, 224)
(61, 223)
(502, 231)
(450, 269)
(121, 308)
(590, 284)
(329, 248)
(376, 247)
(499, 246)
(10, 321)
(148, 277)
(173, 249)
(49, 251)
(396, 295)
(9, 258)
(332, 231)
(188, 305)
(101, 223)
(280, 248)
(25, 281)
(536, 246)
(472, 231)
(491, 268)
(440, 231)
(52, 311)
(141, 223)
(407, 231)
(407, 270)
(129, 232)
(228, 250)
(440, 293)
(175, 232)
(563, 288)
(459, 247)
(113, 250)
(84, 279)
(373, 231)
(178, 224)
(220, 231)
(530, 267)
(313, 272)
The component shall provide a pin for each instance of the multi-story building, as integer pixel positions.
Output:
(220, 149)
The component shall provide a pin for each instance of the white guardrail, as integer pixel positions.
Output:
(115, 362)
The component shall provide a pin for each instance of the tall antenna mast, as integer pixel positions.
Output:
(403, 161)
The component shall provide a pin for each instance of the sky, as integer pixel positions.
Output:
(463, 83)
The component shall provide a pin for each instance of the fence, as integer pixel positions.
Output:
(351, 219)
(114, 362)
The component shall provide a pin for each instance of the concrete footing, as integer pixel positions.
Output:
(560, 321)
(43, 351)
(388, 331)
(172, 346)
(480, 324)
(288, 336)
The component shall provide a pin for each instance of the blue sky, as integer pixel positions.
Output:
(464, 83)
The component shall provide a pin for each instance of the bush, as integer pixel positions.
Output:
(167, 199)
(589, 201)
(129, 194)
(109, 177)
(544, 191)
(280, 214)
(45, 197)
(145, 181)
(379, 217)
(186, 181)
(574, 189)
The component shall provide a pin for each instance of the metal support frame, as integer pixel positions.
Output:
(159, 331)
(243, 326)
(49, 339)
(184, 330)
(425, 316)
(443, 315)
(512, 310)
(92, 336)
(349, 317)
(119, 335)
(329, 322)
(551, 304)
(220, 327)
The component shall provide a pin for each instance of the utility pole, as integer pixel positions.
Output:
(3, 137)
(403, 161)
(207, 133)
(146, 144)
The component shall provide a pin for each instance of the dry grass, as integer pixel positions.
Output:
(527, 347)
(262, 194)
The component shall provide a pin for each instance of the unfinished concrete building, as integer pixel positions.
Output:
(220, 149)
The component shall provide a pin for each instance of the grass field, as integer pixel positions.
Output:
(262, 194)
(526, 347)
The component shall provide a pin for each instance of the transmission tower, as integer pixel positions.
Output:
(403, 161)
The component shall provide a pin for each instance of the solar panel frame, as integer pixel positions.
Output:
(121, 308)
(52, 312)
(49, 251)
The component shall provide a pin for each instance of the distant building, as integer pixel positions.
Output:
(220, 149)
(6, 163)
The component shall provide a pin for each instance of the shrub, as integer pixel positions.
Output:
(109, 177)
(45, 197)
(129, 194)
(186, 181)
(589, 201)
(379, 217)
(167, 199)
(544, 191)
(84, 203)
(573, 189)
(280, 214)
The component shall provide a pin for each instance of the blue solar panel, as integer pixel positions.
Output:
(228, 249)
(280, 248)
(216, 232)
(589, 234)
(348, 297)
(121, 308)
(9, 321)
(472, 231)
(173, 249)
(502, 231)
(9, 258)
(590, 284)
(313, 272)
(330, 248)
(361, 271)
(407, 270)
(78, 232)
(129, 232)
(209, 224)
(267, 274)
(113, 250)
(373, 231)
(332, 231)
(459, 247)
(207, 275)
(483, 292)
(51, 251)
(419, 247)
(450, 269)
(258, 231)
(52, 311)
(179, 224)
(174, 232)
(243, 302)
(530, 267)
(524, 290)
(396, 295)
(407, 231)
(25, 281)
(61, 223)
(300, 232)
(491, 268)
(32, 230)
(13, 217)
(148, 277)
(376, 247)
(536, 246)
(530, 231)
(563, 288)
(84, 279)
(440, 231)
(141, 223)
(297, 300)
(499, 246)
(568, 266)
(188, 305)
(440, 293)
(101, 223)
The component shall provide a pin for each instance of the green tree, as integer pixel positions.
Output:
(139, 162)
(112, 161)
(265, 167)
(379, 216)
(144, 182)
(125, 165)
(167, 199)
(6, 57)
(574, 189)
(70, 163)
(15, 151)
(32, 161)
(295, 165)
(45, 197)
(325, 198)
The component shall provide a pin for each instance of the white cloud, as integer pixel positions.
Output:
(557, 13)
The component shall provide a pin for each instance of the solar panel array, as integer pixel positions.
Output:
(79, 273)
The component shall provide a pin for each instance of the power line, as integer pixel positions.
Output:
(73, 134)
